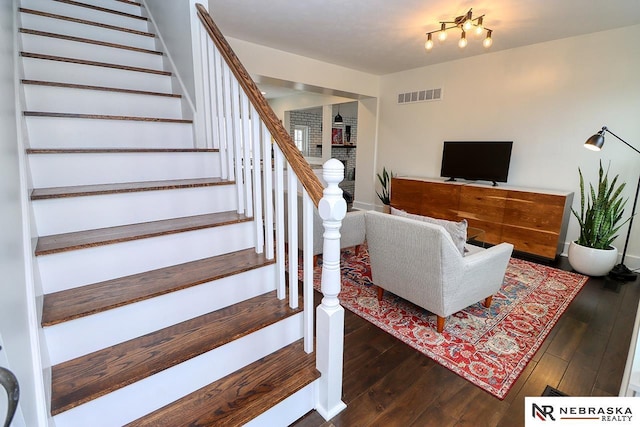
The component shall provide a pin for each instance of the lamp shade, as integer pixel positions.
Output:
(595, 142)
(338, 118)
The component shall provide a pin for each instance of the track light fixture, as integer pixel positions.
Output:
(465, 23)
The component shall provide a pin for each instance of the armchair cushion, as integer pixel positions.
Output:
(457, 230)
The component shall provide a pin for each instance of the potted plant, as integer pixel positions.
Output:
(600, 219)
(385, 194)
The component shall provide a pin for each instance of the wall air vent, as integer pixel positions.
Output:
(425, 95)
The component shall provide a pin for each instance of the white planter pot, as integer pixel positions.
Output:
(592, 262)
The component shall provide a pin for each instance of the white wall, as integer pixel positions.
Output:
(547, 98)
(265, 61)
(19, 350)
(173, 19)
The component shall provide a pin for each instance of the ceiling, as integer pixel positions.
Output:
(384, 36)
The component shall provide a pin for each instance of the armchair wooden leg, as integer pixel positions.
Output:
(487, 301)
(315, 260)
(440, 325)
(358, 249)
(380, 293)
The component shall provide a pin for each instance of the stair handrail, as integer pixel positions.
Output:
(307, 177)
(329, 202)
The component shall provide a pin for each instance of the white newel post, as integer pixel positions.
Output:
(330, 314)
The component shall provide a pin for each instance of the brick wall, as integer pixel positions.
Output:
(345, 154)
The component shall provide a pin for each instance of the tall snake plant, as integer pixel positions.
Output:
(601, 219)
(385, 183)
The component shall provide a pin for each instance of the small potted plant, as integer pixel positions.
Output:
(385, 194)
(600, 218)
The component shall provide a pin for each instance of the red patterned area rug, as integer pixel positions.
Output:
(488, 347)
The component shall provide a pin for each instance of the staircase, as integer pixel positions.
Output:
(157, 307)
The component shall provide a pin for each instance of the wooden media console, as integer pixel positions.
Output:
(534, 221)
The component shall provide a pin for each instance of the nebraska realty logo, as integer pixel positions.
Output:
(581, 411)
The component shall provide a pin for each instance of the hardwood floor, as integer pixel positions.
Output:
(387, 383)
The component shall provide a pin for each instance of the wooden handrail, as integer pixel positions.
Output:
(297, 162)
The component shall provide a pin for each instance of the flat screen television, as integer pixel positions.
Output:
(476, 160)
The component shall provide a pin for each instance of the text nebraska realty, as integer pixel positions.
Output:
(609, 413)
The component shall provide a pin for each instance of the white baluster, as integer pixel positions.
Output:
(257, 180)
(267, 167)
(237, 143)
(292, 241)
(307, 269)
(219, 116)
(330, 314)
(279, 194)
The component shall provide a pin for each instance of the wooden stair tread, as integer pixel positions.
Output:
(86, 300)
(93, 63)
(100, 88)
(85, 22)
(104, 117)
(102, 9)
(118, 150)
(88, 41)
(124, 233)
(238, 398)
(85, 378)
(130, 2)
(124, 187)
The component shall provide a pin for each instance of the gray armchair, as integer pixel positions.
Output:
(419, 262)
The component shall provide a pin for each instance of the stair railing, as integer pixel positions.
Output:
(259, 154)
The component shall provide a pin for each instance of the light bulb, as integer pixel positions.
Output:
(468, 23)
(488, 41)
(479, 27)
(442, 35)
(429, 43)
(462, 43)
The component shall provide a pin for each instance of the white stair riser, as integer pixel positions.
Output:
(149, 394)
(76, 29)
(289, 410)
(70, 269)
(78, 337)
(51, 132)
(91, 52)
(65, 72)
(69, 214)
(58, 170)
(116, 5)
(66, 100)
(86, 13)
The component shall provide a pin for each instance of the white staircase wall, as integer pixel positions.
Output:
(88, 14)
(66, 270)
(77, 29)
(78, 337)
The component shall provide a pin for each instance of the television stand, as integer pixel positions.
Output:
(534, 220)
(452, 179)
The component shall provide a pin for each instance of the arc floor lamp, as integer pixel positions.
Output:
(620, 271)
